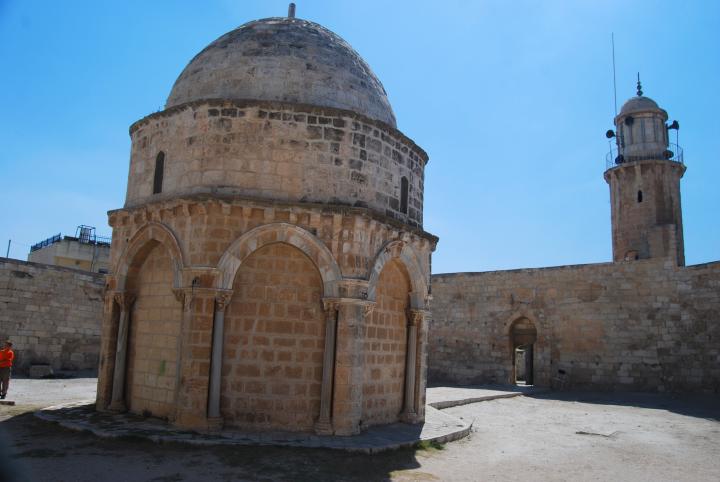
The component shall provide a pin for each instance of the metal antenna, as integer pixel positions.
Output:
(612, 37)
(639, 87)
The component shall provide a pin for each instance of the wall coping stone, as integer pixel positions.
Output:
(19, 262)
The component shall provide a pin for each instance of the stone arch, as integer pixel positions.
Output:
(404, 253)
(140, 246)
(154, 324)
(541, 350)
(286, 233)
(273, 342)
(385, 350)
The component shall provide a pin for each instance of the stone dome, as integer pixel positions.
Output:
(288, 60)
(639, 104)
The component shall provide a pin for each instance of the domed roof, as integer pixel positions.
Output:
(638, 104)
(284, 59)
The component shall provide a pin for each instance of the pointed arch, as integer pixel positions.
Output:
(407, 256)
(139, 247)
(519, 314)
(267, 234)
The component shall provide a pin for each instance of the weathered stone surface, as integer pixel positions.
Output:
(640, 325)
(52, 314)
(284, 59)
(281, 154)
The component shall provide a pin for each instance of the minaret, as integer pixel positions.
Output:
(644, 176)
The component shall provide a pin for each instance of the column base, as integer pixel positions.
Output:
(215, 424)
(324, 427)
(117, 406)
(410, 417)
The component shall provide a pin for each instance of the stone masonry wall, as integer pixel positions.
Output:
(52, 314)
(153, 338)
(643, 325)
(385, 346)
(274, 340)
(271, 150)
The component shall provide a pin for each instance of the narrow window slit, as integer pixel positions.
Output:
(404, 186)
(159, 168)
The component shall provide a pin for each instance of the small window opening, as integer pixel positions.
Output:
(159, 168)
(639, 196)
(404, 186)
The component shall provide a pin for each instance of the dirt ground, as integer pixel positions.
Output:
(543, 437)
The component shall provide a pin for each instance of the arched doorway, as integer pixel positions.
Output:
(386, 347)
(523, 336)
(273, 342)
(154, 331)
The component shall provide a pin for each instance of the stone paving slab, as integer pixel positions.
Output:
(439, 427)
(446, 397)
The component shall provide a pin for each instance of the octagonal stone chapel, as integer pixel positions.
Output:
(270, 270)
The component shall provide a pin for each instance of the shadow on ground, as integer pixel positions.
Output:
(706, 406)
(46, 451)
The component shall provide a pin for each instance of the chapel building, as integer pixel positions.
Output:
(270, 269)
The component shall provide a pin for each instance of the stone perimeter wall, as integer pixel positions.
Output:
(277, 151)
(644, 325)
(52, 314)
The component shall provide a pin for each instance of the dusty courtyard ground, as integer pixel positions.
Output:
(545, 437)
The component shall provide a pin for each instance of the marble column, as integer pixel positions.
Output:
(410, 363)
(323, 426)
(218, 334)
(117, 401)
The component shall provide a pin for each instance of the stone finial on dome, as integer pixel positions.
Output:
(291, 10)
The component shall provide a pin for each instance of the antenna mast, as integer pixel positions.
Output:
(612, 37)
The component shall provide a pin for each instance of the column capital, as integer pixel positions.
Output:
(124, 298)
(222, 299)
(330, 304)
(188, 294)
(416, 316)
(367, 305)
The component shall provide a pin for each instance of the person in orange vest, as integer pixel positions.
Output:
(6, 360)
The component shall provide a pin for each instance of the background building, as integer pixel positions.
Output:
(86, 251)
(643, 322)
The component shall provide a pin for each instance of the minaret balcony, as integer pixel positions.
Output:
(615, 157)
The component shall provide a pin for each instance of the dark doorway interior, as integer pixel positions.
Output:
(523, 336)
(524, 369)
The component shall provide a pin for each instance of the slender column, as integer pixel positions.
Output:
(421, 378)
(409, 411)
(117, 401)
(324, 424)
(218, 334)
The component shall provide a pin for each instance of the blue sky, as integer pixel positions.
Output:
(510, 99)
